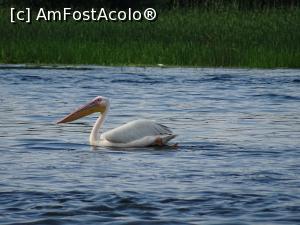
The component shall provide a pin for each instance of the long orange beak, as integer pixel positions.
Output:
(85, 110)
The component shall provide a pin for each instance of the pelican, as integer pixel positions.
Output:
(137, 133)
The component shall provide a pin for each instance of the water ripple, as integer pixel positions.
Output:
(237, 160)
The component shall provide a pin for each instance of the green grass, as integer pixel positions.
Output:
(194, 37)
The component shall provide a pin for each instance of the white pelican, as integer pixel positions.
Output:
(138, 133)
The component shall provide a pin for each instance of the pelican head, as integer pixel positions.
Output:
(98, 104)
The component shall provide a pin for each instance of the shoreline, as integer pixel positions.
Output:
(92, 67)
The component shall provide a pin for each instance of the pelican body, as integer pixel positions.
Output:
(137, 133)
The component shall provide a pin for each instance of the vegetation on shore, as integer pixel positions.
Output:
(179, 37)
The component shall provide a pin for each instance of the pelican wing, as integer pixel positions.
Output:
(136, 130)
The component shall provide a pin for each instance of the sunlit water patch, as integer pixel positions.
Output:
(238, 160)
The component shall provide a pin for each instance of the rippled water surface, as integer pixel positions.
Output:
(238, 160)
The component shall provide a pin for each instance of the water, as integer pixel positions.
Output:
(238, 160)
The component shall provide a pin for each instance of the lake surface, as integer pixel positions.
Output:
(238, 160)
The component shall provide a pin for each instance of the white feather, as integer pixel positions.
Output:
(137, 133)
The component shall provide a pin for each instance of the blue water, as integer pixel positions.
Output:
(238, 160)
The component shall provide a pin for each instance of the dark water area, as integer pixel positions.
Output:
(238, 160)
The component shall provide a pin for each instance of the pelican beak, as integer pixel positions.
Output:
(89, 108)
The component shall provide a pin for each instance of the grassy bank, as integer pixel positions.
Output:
(202, 38)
